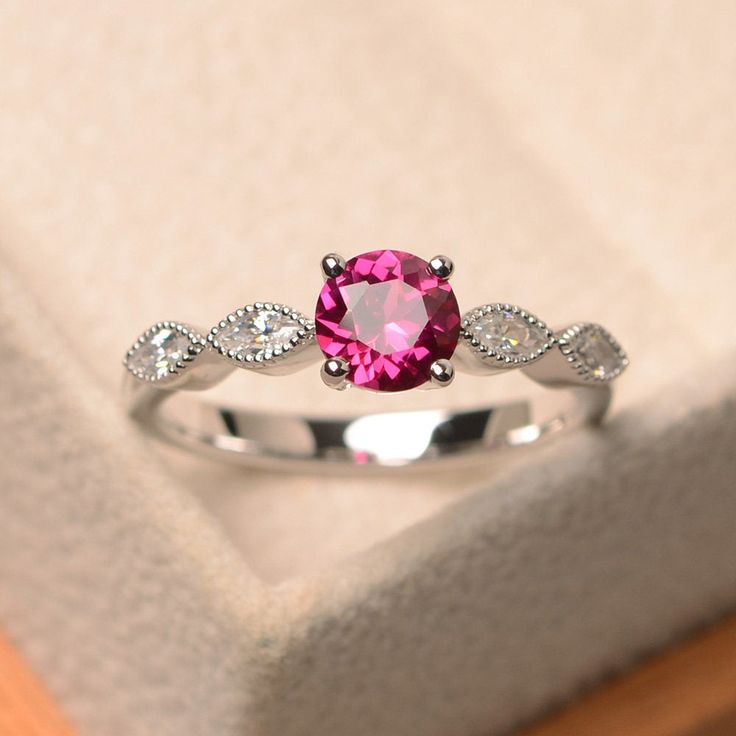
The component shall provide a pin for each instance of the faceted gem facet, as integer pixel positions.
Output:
(259, 332)
(597, 353)
(157, 354)
(506, 332)
(389, 318)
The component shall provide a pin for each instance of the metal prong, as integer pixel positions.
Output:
(442, 267)
(332, 265)
(334, 373)
(441, 373)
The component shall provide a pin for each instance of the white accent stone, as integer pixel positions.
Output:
(597, 353)
(158, 354)
(259, 333)
(506, 332)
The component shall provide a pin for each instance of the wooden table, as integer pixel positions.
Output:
(690, 691)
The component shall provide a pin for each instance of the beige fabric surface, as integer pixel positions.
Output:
(175, 160)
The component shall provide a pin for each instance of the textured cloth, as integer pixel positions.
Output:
(168, 160)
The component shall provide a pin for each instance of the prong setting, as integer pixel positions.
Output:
(441, 373)
(334, 373)
(332, 265)
(442, 267)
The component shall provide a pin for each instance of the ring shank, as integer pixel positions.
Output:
(405, 438)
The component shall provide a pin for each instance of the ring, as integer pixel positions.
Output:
(385, 321)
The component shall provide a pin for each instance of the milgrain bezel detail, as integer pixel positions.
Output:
(496, 357)
(197, 344)
(267, 357)
(567, 340)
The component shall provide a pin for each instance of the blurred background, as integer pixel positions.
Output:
(179, 159)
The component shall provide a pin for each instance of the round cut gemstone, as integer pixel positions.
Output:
(389, 318)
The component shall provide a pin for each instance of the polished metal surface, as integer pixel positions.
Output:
(334, 373)
(333, 264)
(442, 267)
(441, 373)
(391, 439)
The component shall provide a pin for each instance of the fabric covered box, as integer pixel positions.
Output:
(173, 161)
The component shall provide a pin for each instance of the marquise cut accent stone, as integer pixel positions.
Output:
(389, 318)
(260, 332)
(161, 351)
(509, 334)
(597, 354)
(506, 333)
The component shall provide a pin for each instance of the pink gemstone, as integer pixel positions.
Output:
(389, 318)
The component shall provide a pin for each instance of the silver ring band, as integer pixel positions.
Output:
(173, 358)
